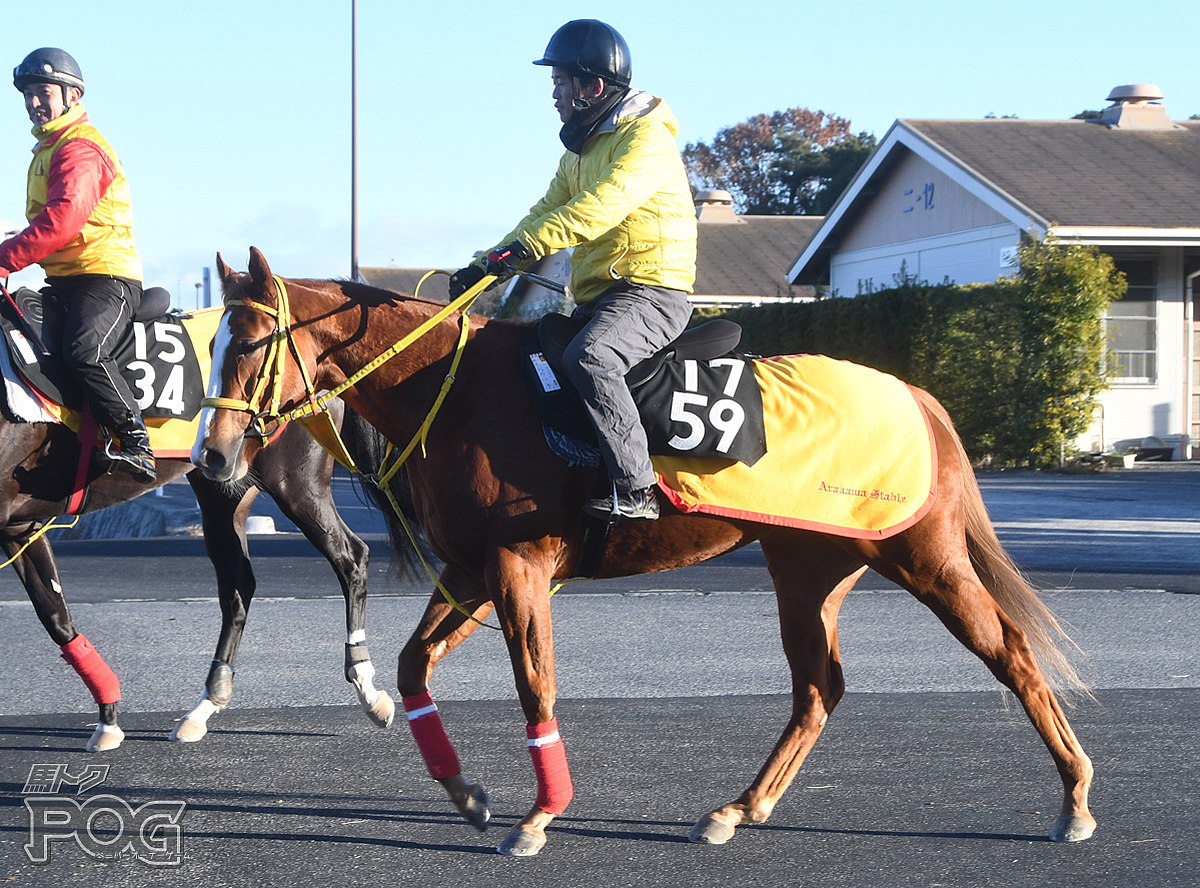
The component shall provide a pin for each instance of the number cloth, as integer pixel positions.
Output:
(164, 367)
(850, 453)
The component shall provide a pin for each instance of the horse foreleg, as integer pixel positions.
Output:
(441, 630)
(523, 603)
(39, 575)
(808, 625)
(223, 517)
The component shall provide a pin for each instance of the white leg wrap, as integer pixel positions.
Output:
(194, 725)
(377, 704)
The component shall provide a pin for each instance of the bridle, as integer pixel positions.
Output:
(272, 370)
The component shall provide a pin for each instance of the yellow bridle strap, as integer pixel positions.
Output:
(320, 402)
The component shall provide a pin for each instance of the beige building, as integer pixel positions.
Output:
(951, 200)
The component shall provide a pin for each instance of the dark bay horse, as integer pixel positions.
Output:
(37, 468)
(505, 516)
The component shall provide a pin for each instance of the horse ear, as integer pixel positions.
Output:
(224, 272)
(260, 271)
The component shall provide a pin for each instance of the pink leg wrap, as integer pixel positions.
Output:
(550, 765)
(100, 680)
(427, 730)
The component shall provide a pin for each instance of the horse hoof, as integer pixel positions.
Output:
(522, 843)
(1072, 829)
(188, 730)
(476, 807)
(105, 738)
(709, 831)
(383, 711)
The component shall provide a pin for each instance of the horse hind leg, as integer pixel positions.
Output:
(956, 594)
(38, 572)
(811, 586)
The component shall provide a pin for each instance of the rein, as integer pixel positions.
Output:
(318, 405)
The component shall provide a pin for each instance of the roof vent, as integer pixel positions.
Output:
(1135, 106)
(715, 206)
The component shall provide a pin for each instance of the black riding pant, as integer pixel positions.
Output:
(94, 312)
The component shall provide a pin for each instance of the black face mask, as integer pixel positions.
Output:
(585, 121)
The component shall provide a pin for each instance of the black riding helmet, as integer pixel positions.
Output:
(49, 65)
(587, 47)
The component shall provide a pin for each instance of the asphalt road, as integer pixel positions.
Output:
(672, 690)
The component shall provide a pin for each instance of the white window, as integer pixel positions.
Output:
(1133, 324)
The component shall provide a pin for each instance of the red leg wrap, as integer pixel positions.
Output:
(550, 765)
(427, 730)
(100, 680)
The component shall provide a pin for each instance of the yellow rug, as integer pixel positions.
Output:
(170, 438)
(849, 452)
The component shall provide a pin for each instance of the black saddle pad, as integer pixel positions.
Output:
(696, 397)
(156, 357)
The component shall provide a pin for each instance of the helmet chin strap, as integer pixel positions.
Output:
(577, 101)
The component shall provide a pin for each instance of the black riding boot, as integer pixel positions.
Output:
(135, 455)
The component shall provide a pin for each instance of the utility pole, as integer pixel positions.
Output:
(354, 140)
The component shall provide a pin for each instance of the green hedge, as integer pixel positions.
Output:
(1019, 363)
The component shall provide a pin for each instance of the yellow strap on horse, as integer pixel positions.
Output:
(318, 404)
(49, 525)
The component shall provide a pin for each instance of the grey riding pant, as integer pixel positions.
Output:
(625, 324)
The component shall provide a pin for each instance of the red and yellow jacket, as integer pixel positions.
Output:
(78, 205)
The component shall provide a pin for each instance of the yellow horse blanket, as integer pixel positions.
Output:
(849, 452)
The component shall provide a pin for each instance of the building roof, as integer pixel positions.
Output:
(1082, 179)
(748, 256)
(1081, 173)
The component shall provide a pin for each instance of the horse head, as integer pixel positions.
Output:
(250, 382)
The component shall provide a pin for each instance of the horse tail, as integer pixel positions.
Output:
(1005, 581)
(368, 447)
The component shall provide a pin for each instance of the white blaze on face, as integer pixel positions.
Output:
(220, 346)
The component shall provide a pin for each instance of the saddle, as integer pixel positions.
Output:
(156, 357)
(695, 397)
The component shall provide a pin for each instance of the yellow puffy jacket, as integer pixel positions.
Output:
(99, 241)
(624, 204)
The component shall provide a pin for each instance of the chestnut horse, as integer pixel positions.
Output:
(505, 515)
(37, 467)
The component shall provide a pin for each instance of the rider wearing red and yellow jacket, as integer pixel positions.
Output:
(81, 232)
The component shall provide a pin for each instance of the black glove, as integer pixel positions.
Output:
(496, 263)
(464, 279)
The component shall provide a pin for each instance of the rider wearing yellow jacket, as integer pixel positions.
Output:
(624, 204)
(621, 199)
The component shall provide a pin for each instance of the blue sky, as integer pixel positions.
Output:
(233, 118)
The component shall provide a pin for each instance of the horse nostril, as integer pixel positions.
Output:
(213, 460)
